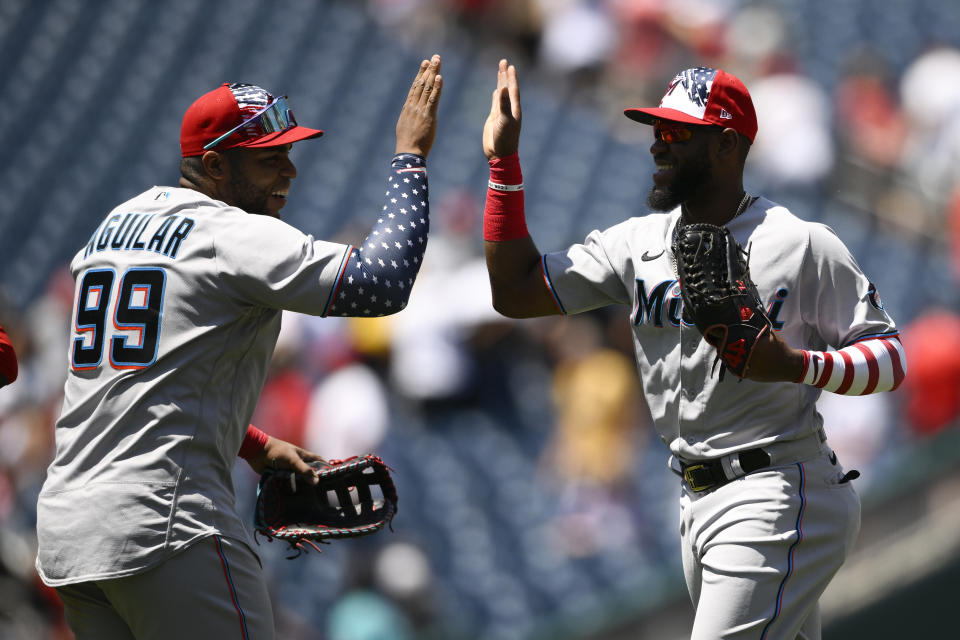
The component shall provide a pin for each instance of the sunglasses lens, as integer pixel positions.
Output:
(673, 134)
(277, 117)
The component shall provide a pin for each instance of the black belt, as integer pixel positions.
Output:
(709, 474)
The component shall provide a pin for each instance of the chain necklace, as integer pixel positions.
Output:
(743, 205)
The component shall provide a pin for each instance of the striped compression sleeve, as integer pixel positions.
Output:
(869, 365)
(376, 276)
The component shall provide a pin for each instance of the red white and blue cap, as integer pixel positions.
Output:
(227, 107)
(702, 95)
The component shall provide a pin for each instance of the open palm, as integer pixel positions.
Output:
(501, 132)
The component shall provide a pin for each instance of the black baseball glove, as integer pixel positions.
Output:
(354, 497)
(718, 295)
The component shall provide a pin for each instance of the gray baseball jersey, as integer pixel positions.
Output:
(815, 294)
(144, 461)
(757, 552)
(177, 311)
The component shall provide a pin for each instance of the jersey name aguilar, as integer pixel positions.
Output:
(661, 305)
(134, 231)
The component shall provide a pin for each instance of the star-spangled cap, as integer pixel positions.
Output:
(702, 95)
(226, 107)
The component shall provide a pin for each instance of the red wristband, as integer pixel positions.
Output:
(253, 443)
(503, 216)
(8, 360)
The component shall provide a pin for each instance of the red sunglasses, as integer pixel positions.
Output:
(671, 132)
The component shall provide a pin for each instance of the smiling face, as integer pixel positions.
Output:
(258, 180)
(681, 153)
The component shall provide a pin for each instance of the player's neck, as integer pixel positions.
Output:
(718, 210)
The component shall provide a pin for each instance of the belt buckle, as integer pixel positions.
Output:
(691, 482)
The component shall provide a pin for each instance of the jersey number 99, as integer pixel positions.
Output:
(138, 309)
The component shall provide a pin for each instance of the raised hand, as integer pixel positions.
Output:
(417, 125)
(501, 132)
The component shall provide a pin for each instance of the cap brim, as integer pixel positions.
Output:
(289, 136)
(648, 116)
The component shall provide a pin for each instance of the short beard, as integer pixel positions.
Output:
(684, 186)
(243, 195)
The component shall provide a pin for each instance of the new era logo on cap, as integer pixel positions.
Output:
(702, 95)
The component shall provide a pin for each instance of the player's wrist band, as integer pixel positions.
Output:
(496, 186)
(254, 442)
(503, 216)
(506, 170)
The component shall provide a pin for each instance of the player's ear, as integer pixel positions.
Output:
(214, 165)
(728, 142)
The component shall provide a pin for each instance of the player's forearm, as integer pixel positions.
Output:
(773, 360)
(513, 261)
(380, 272)
(867, 366)
(516, 279)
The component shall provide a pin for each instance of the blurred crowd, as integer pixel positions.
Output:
(880, 124)
(883, 137)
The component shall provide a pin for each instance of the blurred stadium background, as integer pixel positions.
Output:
(535, 502)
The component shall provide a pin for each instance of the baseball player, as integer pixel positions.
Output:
(8, 360)
(767, 512)
(179, 293)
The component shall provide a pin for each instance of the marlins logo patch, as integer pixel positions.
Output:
(874, 297)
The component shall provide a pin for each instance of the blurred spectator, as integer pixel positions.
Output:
(643, 44)
(859, 428)
(932, 386)
(282, 406)
(402, 572)
(793, 146)
(594, 447)
(758, 41)
(931, 101)
(871, 131)
(431, 360)
(699, 24)
(348, 413)
(411, 21)
(870, 123)
(578, 36)
(366, 615)
(388, 596)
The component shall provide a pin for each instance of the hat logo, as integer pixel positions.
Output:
(697, 82)
(725, 115)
